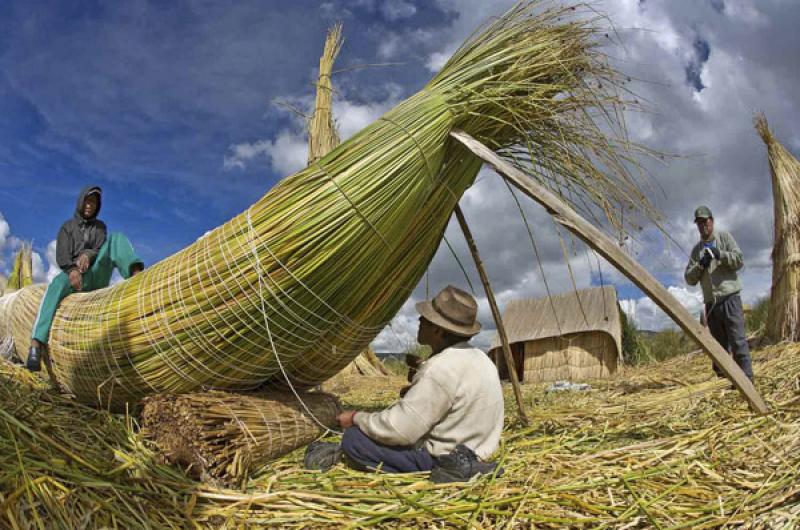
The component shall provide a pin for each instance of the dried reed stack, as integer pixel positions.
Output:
(302, 281)
(323, 137)
(228, 436)
(784, 305)
(22, 271)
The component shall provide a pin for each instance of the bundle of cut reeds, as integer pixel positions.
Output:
(22, 271)
(323, 136)
(228, 436)
(297, 285)
(783, 322)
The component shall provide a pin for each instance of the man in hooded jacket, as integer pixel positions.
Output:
(87, 256)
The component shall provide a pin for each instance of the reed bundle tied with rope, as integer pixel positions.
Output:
(783, 322)
(228, 436)
(297, 285)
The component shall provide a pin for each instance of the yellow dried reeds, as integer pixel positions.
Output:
(228, 436)
(783, 322)
(301, 282)
(662, 446)
(22, 271)
(323, 136)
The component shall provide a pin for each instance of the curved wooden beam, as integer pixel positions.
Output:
(566, 216)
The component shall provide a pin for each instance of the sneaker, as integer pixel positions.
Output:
(461, 465)
(322, 456)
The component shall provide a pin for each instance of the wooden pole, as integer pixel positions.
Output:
(501, 330)
(608, 248)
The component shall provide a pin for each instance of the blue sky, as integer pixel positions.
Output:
(146, 98)
(171, 108)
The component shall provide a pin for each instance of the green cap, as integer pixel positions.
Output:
(702, 212)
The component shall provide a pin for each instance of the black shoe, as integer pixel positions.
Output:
(461, 465)
(34, 363)
(322, 455)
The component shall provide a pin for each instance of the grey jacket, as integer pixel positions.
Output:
(80, 236)
(720, 278)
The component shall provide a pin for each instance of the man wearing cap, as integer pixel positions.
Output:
(87, 256)
(714, 262)
(452, 414)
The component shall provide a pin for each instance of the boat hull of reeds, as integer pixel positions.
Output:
(302, 281)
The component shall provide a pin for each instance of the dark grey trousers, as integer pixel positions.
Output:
(726, 324)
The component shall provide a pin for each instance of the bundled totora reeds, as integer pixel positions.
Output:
(296, 286)
(323, 137)
(22, 270)
(783, 321)
(229, 436)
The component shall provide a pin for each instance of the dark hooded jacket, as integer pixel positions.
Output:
(80, 236)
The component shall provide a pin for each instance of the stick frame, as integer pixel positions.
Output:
(569, 218)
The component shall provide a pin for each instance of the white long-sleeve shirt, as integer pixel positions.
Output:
(455, 397)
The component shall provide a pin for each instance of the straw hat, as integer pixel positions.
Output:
(454, 310)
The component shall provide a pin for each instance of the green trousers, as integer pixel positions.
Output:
(116, 252)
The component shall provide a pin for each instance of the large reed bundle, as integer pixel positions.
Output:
(783, 322)
(304, 279)
(228, 436)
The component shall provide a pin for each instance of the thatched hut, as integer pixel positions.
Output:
(573, 336)
(784, 308)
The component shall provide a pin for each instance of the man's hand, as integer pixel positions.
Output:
(413, 362)
(715, 252)
(75, 279)
(705, 260)
(346, 419)
(82, 263)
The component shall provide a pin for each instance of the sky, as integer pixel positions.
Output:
(186, 113)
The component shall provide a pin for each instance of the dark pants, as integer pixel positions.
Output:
(365, 454)
(726, 323)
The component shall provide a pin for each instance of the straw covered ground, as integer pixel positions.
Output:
(661, 446)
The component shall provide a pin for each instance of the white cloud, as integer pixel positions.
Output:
(39, 275)
(397, 9)
(52, 267)
(648, 316)
(287, 154)
(5, 231)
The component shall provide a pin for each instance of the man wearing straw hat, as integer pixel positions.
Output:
(714, 262)
(452, 414)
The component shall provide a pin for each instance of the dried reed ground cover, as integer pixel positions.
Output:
(660, 446)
